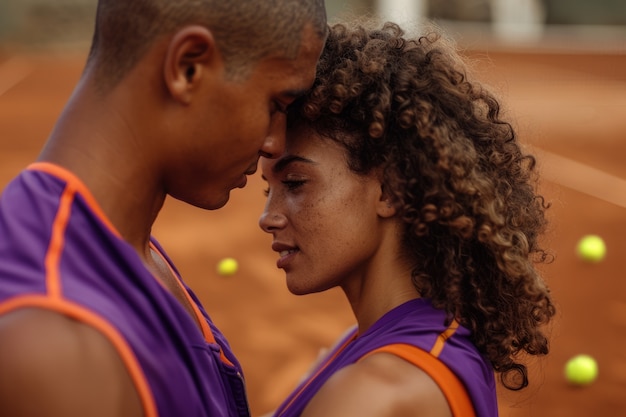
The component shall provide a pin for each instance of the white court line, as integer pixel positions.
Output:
(12, 72)
(582, 178)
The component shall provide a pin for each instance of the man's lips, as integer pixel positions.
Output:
(251, 168)
(244, 178)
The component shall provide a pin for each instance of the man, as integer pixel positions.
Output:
(178, 98)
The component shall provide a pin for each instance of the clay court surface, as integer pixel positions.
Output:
(569, 107)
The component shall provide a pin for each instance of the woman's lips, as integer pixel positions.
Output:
(286, 253)
(286, 257)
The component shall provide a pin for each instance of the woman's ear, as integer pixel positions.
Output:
(386, 207)
(191, 55)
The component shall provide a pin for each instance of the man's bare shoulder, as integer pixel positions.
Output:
(55, 366)
(381, 385)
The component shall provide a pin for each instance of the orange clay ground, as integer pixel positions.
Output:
(571, 108)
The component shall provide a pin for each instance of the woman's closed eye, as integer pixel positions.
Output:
(290, 185)
(293, 184)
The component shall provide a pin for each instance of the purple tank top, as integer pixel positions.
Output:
(94, 276)
(416, 323)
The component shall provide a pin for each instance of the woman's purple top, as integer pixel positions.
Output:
(416, 323)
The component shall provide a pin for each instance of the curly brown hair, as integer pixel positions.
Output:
(456, 173)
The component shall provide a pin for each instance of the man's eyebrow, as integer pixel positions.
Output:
(283, 163)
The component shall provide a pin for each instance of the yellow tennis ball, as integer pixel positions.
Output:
(591, 248)
(227, 266)
(581, 370)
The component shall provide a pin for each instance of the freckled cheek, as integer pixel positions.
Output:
(321, 227)
(306, 219)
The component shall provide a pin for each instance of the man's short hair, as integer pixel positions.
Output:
(245, 30)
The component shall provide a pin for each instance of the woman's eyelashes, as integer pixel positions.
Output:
(290, 185)
(293, 185)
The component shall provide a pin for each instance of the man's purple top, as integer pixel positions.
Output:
(59, 252)
(419, 324)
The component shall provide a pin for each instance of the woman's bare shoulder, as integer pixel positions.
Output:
(381, 385)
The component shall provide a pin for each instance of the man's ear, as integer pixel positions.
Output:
(191, 55)
(385, 206)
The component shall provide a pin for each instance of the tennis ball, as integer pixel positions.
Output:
(581, 370)
(227, 266)
(591, 248)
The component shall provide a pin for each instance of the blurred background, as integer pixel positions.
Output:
(559, 67)
(48, 22)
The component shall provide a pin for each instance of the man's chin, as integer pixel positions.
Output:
(213, 204)
(219, 204)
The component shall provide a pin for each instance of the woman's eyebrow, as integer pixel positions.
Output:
(283, 163)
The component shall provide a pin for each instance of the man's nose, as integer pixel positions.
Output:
(274, 144)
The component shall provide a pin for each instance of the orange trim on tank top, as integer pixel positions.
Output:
(75, 184)
(57, 240)
(56, 302)
(209, 337)
(454, 391)
(79, 313)
(443, 337)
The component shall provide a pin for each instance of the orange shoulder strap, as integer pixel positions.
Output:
(454, 391)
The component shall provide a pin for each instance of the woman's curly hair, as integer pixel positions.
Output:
(456, 174)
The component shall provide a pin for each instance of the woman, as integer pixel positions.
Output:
(402, 185)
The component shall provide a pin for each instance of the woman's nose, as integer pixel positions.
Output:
(271, 221)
